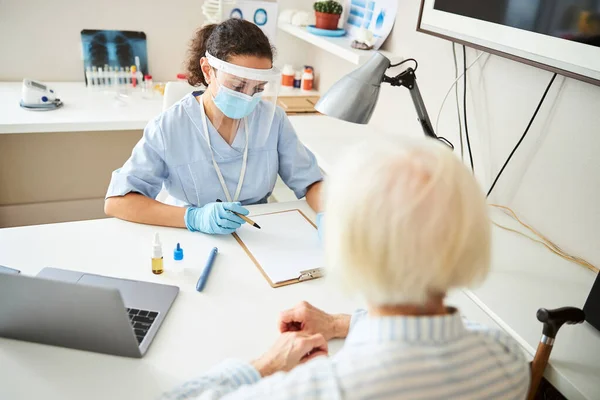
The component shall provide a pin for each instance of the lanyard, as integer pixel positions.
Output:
(219, 174)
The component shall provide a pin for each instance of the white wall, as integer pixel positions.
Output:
(40, 39)
(553, 180)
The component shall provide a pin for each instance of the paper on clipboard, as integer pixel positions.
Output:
(286, 246)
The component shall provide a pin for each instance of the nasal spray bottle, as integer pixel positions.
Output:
(157, 256)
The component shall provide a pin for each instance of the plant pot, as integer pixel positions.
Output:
(327, 21)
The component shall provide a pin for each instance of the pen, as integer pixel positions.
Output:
(8, 270)
(248, 220)
(206, 271)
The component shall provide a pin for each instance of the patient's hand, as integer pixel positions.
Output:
(310, 320)
(290, 350)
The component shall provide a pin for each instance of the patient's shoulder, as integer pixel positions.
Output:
(497, 338)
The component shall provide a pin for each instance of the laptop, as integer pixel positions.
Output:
(83, 311)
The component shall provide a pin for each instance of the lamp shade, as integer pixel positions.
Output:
(353, 98)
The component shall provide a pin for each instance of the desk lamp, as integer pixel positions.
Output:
(353, 98)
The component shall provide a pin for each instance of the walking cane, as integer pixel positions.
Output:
(552, 320)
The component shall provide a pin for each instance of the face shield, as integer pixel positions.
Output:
(244, 98)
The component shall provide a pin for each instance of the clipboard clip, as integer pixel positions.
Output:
(310, 274)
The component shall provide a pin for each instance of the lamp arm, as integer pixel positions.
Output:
(422, 115)
(409, 81)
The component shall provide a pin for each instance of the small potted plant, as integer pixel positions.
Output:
(328, 14)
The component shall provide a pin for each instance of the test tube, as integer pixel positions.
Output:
(106, 75)
(88, 76)
(133, 76)
(100, 77)
(114, 76)
(109, 81)
(139, 76)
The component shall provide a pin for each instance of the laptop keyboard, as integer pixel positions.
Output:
(141, 320)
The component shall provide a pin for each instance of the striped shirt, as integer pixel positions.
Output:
(438, 357)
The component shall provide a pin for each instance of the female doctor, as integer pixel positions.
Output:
(229, 142)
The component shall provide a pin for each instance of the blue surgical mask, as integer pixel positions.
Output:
(235, 105)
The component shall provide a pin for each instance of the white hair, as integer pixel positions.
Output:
(405, 221)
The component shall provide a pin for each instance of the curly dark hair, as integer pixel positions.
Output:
(234, 37)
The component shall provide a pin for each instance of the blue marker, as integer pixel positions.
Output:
(206, 272)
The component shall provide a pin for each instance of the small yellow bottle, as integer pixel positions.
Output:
(157, 256)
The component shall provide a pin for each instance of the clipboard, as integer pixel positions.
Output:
(297, 104)
(303, 275)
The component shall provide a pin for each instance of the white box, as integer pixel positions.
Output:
(262, 13)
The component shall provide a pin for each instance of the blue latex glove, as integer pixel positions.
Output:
(215, 218)
(320, 217)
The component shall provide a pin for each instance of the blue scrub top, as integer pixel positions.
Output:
(174, 152)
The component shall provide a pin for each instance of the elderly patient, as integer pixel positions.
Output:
(406, 222)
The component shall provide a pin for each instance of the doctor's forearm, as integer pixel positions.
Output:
(313, 196)
(135, 207)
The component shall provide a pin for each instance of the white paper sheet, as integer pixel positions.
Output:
(286, 244)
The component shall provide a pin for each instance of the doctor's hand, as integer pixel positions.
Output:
(289, 351)
(215, 218)
(308, 319)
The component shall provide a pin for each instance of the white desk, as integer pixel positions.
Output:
(83, 110)
(524, 277)
(235, 316)
(86, 109)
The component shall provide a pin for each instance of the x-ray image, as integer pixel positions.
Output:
(114, 49)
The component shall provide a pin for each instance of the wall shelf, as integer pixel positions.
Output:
(338, 46)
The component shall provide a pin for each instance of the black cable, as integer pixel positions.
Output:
(465, 106)
(522, 136)
(445, 141)
(405, 61)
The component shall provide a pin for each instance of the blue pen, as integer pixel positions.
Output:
(206, 272)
